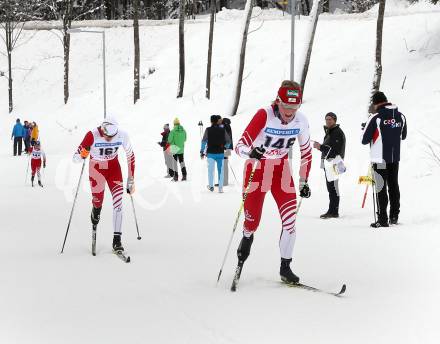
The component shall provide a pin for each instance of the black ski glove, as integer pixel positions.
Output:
(304, 190)
(257, 153)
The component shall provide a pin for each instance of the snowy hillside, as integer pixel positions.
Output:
(168, 293)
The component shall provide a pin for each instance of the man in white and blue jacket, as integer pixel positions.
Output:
(384, 131)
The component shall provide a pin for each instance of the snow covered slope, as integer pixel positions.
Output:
(168, 294)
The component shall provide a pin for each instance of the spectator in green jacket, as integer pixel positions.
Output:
(176, 139)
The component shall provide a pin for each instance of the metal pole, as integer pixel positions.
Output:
(103, 71)
(292, 39)
(103, 61)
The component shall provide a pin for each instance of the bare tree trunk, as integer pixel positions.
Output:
(194, 9)
(181, 49)
(378, 64)
(315, 16)
(211, 35)
(67, 23)
(305, 7)
(9, 48)
(66, 48)
(136, 50)
(13, 15)
(64, 11)
(11, 105)
(249, 6)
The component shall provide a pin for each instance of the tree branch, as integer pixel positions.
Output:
(436, 157)
(258, 28)
(17, 36)
(90, 11)
(429, 138)
(24, 42)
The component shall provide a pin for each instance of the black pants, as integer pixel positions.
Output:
(178, 157)
(333, 195)
(387, 184)
(27, 144)
(17, 145)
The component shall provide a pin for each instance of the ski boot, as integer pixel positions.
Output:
(95, 215)
(393, 220)
(32, 180)
(286, 274)
(117, 246)
(242, 253)
(379, 224)
(39, 183)
(244, 249)
(329, 215)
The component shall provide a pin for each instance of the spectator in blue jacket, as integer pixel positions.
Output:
(17, 135)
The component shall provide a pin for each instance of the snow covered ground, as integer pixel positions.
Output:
(168, 293)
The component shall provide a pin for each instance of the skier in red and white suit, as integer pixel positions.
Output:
(103, 144)
(37, 155)
(268, 138)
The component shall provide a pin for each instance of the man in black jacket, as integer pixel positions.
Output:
(332, 146)
(226, 122)
(166, 152)
(214, 142)
(384, 131)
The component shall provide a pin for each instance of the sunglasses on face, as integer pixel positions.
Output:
(106, 127)
(289, 106)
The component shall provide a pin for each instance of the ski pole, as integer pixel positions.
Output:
(73, 206)
(365, 197)
(232, 170)
(27, 169)
(42, 173)
(135, 217)
(374, 192)
(299, 206)
(254, 167)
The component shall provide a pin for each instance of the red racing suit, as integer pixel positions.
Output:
(36, 156)
(273, 172)
(104, 168)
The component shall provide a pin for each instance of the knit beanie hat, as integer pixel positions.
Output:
(332, 115)
(176, 121)
(379, 97)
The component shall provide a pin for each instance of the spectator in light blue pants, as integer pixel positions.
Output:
(214, 142)
(212, 160)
